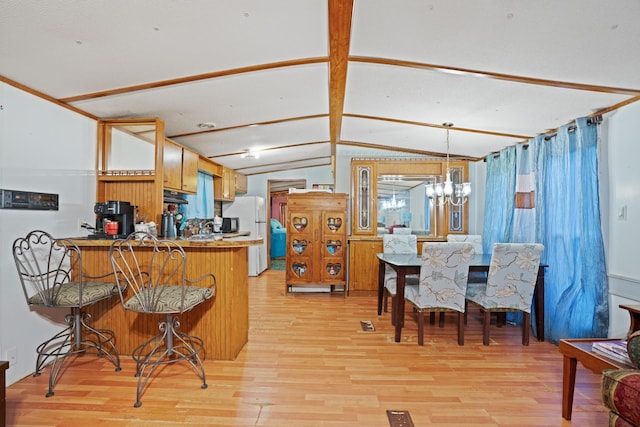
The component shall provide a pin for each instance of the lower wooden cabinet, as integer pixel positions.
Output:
(363, 264)
(316, 240)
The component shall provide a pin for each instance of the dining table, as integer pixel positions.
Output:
(409, 264)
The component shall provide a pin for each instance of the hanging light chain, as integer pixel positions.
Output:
(448, 192)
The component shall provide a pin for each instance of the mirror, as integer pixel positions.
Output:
(401, 202)
(131, 147)
(375, 183)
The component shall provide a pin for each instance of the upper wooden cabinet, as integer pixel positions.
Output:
(241, 183)
(129, 164)
(180, 168)
(224, 188)
(129, 147)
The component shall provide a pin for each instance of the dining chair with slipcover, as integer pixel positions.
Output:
(476, 278)
(402, 230)
(52, 276)
(476, 242)
(397, 244)
(154, 273)
(510, 284)
(443, 283)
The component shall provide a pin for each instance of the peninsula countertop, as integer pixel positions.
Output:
(227, 242)
(222, 322)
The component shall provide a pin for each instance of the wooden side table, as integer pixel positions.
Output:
(3, 406)
(574, 350)
(634, 313)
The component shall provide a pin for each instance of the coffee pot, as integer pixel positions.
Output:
(168, 226)
(217, 224)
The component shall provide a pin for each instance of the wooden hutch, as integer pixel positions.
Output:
(367, 211)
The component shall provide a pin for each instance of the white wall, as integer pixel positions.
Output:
(47, 148)
(257, 184)
(620, 202)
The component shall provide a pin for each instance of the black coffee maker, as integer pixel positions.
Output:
(123, 213)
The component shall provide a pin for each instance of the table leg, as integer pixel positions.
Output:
(398, 309)
(568, 384)
(381, 267)
(539, 303)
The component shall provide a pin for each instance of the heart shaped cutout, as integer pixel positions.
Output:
(334, 269)
(299, 268)
(334, 246)
(299, 246)
(334, 224)
(299, 223)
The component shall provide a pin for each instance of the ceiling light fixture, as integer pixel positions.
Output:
(206, 125)
(443, 193)
(250, 154)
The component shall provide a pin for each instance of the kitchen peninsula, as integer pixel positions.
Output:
(222, 322)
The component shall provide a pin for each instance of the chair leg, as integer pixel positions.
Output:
(460, 328)
(420, 328)
(466, 306)
(385, 296)
(501, 319)
(167, 347)
(526, 326)
(432, 317)
(73, 340)
(393, 318)
(441, 320)
(485, 327)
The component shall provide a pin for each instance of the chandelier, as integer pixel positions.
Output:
(393, 204)
(448, 192)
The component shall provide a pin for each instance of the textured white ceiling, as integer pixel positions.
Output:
(501, 71)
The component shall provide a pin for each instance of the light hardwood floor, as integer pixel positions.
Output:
(309, 363)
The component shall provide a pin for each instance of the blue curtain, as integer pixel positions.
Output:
(499, 201)
(563, 169)
(201, 204)
(576, 291)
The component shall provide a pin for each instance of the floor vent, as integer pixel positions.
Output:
(367, 325)
(399, 419)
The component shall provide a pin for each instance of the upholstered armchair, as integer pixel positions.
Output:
(621, 389)
(278, 247)
(443, 283)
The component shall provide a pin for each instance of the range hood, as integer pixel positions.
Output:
(173, 197)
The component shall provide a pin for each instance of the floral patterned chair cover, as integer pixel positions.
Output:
(621, 395)
(397, 244)
(510, 284)
(402, 230)
(474, 239)
(443, 283)
(476, 278)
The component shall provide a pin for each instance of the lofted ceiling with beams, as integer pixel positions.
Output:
(295, 79)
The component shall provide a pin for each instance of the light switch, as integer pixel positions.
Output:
(622, 213)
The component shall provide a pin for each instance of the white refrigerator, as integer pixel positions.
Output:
(251, 212)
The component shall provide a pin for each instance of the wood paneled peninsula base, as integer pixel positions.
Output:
(222, 322)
